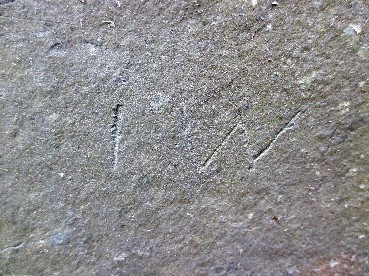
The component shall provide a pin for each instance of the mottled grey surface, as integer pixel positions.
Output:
(184, 137)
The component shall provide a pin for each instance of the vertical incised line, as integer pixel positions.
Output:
(116, 134)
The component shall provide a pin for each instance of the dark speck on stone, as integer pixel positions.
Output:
(232, 266)
(218, 269)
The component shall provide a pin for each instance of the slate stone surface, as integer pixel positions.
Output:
(184, 137)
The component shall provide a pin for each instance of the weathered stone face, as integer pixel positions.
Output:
(184, 137)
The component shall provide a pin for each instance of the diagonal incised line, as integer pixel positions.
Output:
(264, 151)
(218, 148)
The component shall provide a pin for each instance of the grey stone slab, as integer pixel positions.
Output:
(184, 137)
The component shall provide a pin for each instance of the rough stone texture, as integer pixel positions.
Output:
(184, 137)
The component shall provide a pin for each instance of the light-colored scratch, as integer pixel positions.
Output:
(216, 151)
(19, 246)
(266, 149)
(116, 150)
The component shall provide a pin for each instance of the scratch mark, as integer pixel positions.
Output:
(15, 247)
(218, 148)
(116, 133)
(265, 150)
